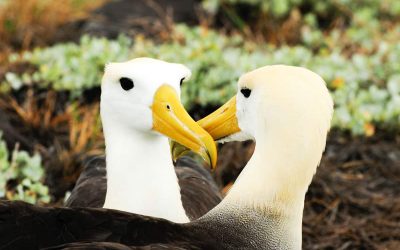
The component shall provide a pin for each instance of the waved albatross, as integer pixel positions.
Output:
(286, 110)
(140, 106)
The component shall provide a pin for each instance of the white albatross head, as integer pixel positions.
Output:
(143, 95)
(287, 110)
(278, 98)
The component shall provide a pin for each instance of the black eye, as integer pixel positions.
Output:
(181, 81)
(126, 83)
(246, 92)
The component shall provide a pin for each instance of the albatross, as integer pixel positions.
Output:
(140, 108)
(286, 110)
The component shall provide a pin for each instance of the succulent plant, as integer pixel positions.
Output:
(26, 171)
(364, 85)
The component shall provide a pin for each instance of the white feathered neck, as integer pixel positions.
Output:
(140, 175)
(288, 114)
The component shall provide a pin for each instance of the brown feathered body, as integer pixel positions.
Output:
(199, 192)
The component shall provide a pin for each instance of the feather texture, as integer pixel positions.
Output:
(199, 191)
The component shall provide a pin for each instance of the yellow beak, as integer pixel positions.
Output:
(222, 122)
(171, 119)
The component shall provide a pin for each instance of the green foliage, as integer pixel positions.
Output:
(210, 56)
(69, 66)
(356, 23)
(280, 8)
(24, 170)
(276, 8)
(364, 85)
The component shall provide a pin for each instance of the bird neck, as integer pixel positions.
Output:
(270, 190)
(140, 175)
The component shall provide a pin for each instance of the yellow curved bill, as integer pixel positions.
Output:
(171, 119)
(222, 122)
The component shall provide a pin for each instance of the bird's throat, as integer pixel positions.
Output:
(140, 175)
(267, 193)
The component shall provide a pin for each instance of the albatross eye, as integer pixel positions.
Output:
(180, 83)
(246, 92)
(126, 83)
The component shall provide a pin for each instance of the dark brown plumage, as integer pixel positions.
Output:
(93, 177)
(111, 246)
(198, 190)
(25, 226)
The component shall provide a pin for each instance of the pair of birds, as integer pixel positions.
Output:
(286, 110)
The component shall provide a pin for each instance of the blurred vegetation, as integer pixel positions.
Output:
(281, 8)
(21, 176)
(24, 23)
(63, 132)
(260, 15)
(70, 66)
(365, 87)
